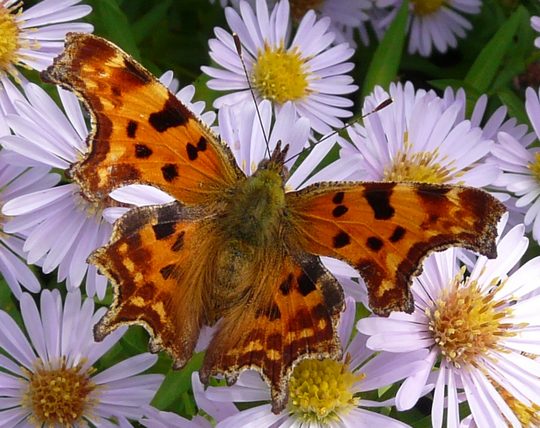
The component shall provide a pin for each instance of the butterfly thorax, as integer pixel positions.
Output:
(255, 209)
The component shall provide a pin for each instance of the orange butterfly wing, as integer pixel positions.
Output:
(384, 230)
(142, 133)
(152, 260)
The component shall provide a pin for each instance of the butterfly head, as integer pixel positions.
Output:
(276, 162)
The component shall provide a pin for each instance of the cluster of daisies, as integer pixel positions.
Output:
(470, 346)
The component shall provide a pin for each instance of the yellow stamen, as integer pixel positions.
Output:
(421, 167)
(466, 322)
(9, 37)
(279, 75)
(321, 390)
(58, 396)
(534, 166)
(426, 7)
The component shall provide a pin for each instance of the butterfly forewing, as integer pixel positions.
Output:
(143, 133)
(384, 230)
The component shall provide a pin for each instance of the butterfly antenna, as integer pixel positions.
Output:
(382, 105)
(238, 46)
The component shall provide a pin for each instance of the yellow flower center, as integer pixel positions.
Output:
(417, 167)
(278, 75)
(300, 7)
(320, 391)
(466, 322)
(58, 397)
(426, 7)
(534, 166)
(9, 36)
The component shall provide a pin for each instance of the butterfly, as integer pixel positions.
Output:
(240, 252)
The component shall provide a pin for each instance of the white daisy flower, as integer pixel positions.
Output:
(433, 25)
(32, 37)
(421, 137)
(480, 329)
(61, 225)
(322, 392)
(520, 162)
(535, 24)
(48, 378)
(306, 70)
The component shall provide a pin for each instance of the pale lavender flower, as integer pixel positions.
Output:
(61, 226)
(433, 25)
(322, 393)
(421, 137)
(306, 70)
(535, 24)
(16, 181)
(519, 159)
(32, 37)
(347, 15)
(481, 331)
(48, 377)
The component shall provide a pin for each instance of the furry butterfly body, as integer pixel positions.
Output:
(242, 250)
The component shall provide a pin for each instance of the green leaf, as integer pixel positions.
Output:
(456, 84)
(111, 22)
(149, 22)
(385, 63)
(490, 59)
(176, 383)
(516, 107)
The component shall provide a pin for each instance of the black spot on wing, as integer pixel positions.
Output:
(163, 230)
(374, 243)
(142, 151)
(339, 211)
(167, 271)
(285, 286)
(131, 129)
(338, 198)
(192, 151)
(169, 172)
(135, 71)
(170, 116)
(179, 243)
(378, 197)
(397, 234)
(341, 240)
(202, 144)
(305, 285)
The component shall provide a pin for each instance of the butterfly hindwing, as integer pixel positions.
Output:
(384, 230)
(299, 321)
(142, 133)
(150, 260)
